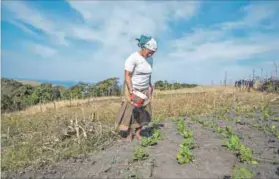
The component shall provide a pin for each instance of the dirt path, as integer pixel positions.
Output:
(211, 160)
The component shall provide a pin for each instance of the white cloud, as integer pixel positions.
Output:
(43, 51)
(196, 57)
(233, 48)
(206, 53)
(255, 14)
(21, 12)
(130, 19)
(219, 43)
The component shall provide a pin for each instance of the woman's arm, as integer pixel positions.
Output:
(128, 76)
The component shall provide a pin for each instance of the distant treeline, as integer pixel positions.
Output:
(165, 85)
(17, 96)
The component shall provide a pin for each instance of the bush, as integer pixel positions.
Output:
(269, 85)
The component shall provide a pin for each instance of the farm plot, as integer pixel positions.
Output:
(146, 160)
(219, 138)
(258, 134)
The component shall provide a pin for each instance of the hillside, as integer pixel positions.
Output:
(9, 86)
(20, 94)
(28, 82)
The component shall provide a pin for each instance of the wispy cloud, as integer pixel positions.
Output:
(21, 12)
(96, 46)
(41, 50)
(255, 16)
(219, 43)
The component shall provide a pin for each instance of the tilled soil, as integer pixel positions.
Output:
(265, 145)
(211, 160)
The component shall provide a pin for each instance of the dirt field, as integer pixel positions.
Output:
(255, 123)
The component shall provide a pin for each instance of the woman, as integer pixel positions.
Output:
(138, 70)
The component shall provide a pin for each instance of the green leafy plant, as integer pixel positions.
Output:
(180, 126)
(140, 153)
(265, 115)
(148, 141)
(187, 133)
(218, 129)
(156, 134)
(184, 155)
(233, 143)
(189, 142)
(246, 154)
(229, 131)
(242, 173)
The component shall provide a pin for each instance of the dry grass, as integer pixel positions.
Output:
(199, 89)
(36, 136)
(28, 82)
(44, 107)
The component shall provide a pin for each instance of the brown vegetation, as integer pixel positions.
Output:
(47, 133)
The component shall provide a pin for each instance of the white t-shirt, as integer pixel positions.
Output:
(142, 70)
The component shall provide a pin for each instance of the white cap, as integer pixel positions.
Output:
(151, 45)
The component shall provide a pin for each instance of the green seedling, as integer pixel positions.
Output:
(242, 173)
(218, 129)
(148, 141)
(140, 154)
(180, 126)
(233, 143)
(273, 128)
(187, 143)
(187, 134)
(223, 132)
(246, 154)
(276, 119)
(157, 135)
(229, 131)
(184, 155)
(265, 115)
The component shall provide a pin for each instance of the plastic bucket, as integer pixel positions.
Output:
(138, 98)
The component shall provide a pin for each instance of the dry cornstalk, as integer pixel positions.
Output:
(77, 129)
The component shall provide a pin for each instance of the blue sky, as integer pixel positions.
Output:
(90, 40)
